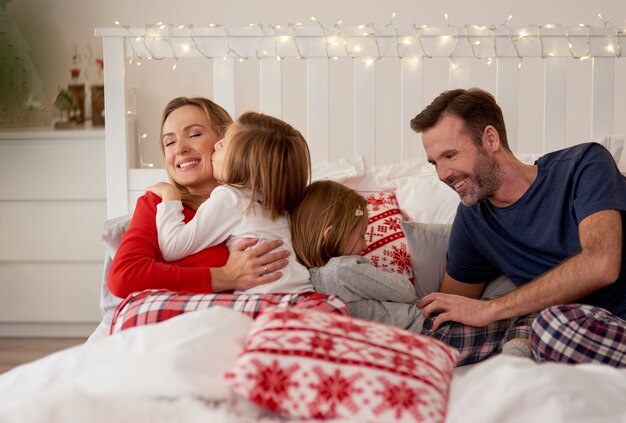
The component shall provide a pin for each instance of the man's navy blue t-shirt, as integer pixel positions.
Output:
(540, 230)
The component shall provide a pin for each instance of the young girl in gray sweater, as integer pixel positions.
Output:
(328, 229)
(328, 235)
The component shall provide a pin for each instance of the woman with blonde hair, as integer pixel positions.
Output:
(190, 127)
(263, 165)
(328, 233)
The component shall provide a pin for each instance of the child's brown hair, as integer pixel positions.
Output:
(271, 158)
(326, 204)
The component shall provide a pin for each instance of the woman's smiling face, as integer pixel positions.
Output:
(189, 140)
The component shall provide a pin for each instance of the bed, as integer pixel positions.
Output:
(213, 364)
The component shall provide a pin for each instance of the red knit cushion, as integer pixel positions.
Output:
(307, 364)
(386, 243)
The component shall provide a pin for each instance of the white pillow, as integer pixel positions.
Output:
(114, 229)
(165, 363)
(347, 171)
(378, 178)
(424, 198)
(615, 144)
(514, 389)
(428, 245)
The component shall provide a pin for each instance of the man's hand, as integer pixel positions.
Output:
(455, 308)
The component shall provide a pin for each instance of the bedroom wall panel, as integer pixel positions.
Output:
(603, 95)
(294, 98)
(341, 109)
(318, 134)
(531, 121)
(388, 136)
(224, 84)
(365, 111)
(271, 87)
(578, 102)
(507, 93)
(412, 77)
(248, 86)
(555, 103)
(460, 73)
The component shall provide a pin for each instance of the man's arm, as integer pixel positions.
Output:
(596, 266)
(449, 285)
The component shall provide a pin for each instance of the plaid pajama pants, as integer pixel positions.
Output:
(156, 305)
(578, 333)
(478, 343)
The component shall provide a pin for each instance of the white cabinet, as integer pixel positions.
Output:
(52, 210)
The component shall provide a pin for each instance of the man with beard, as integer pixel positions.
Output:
(555, 228)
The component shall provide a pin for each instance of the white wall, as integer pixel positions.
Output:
(53, 27)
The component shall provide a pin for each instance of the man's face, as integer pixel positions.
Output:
(461, 164)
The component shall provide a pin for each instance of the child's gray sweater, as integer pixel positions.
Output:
(371, 293)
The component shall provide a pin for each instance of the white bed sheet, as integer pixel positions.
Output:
(173, 371)
(158, 373)
(512, 389)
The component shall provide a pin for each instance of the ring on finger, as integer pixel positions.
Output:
(264, 269)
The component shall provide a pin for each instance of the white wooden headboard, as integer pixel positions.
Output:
(557, 85)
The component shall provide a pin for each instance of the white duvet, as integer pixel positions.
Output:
(173, 372)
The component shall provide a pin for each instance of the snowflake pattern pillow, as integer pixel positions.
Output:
(308, 364)
(386, 244)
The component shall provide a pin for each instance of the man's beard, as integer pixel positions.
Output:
(486, 179)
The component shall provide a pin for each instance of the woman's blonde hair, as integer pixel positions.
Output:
(270, 158)
(219, 120)
(326, 204)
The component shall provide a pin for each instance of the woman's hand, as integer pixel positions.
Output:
(165, 190)
(247, 269)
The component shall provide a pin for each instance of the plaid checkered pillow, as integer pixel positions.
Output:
(156, 305)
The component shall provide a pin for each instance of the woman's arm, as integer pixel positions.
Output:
(139, 265)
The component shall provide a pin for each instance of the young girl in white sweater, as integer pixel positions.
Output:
(263, 165)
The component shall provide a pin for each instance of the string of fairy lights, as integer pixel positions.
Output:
(367, 42)
(351, 43)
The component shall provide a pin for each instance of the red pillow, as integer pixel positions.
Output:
(302, 363)
(386, 244)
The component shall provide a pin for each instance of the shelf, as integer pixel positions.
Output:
(48, 133)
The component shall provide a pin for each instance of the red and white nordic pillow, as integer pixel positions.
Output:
(386, 243)
(314, 365)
